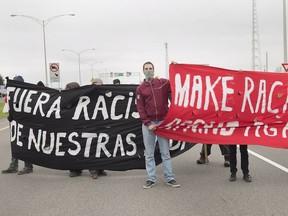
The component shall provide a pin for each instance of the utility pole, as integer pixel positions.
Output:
(284, 31)
(167, 61)
(256, 54)
(267, 61)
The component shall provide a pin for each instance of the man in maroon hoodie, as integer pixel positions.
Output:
(152, 104)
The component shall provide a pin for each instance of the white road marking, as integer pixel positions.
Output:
(4, 128)
(269, 161)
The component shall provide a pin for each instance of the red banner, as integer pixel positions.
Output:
(220, 106)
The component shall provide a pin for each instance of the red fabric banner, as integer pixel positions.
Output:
(220, 106)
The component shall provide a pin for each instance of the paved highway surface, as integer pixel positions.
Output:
(205, 189)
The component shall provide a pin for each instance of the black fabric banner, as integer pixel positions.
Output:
(92, 127)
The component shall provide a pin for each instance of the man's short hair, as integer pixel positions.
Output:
(148, 63)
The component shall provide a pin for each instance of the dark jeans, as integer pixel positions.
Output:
(76, 170)
(14, 164)
(223, 148)
(244, 159)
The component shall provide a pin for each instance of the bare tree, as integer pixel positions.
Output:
(1, 80)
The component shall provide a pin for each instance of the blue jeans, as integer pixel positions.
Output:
(149, 139)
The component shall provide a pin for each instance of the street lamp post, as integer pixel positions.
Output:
(167, 61)
(79, 62)
(92, 67)
(284, 31)
(43, 23)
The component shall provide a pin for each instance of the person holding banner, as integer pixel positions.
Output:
(244, 162)
(13, 167)
(224, 151)
(152, 104)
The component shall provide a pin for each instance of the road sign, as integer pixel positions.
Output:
(285, 66)
(118, 74)
(54, 72)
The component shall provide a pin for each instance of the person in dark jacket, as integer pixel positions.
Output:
(152, 104)
(13, 167)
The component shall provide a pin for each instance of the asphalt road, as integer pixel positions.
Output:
(205, 189)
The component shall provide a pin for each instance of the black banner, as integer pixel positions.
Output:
(95, 127)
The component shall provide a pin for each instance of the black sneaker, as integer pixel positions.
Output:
(173, 183)
(226, 163)
(74, 173)
(201, 160)
(232, 177)
(247, 178)
(148, 184)
(9, 170)
(226, 160)
(101, 173)
(25, 171)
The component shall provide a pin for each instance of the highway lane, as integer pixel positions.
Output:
(205, 189)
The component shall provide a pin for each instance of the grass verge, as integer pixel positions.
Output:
(2, 115)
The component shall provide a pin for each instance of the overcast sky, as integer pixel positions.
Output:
(127, 33)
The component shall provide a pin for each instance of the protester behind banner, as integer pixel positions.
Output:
(97, 81)
(73, 172)
(97, 172)
(116, 82)
(224, 151)
(40, 83)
